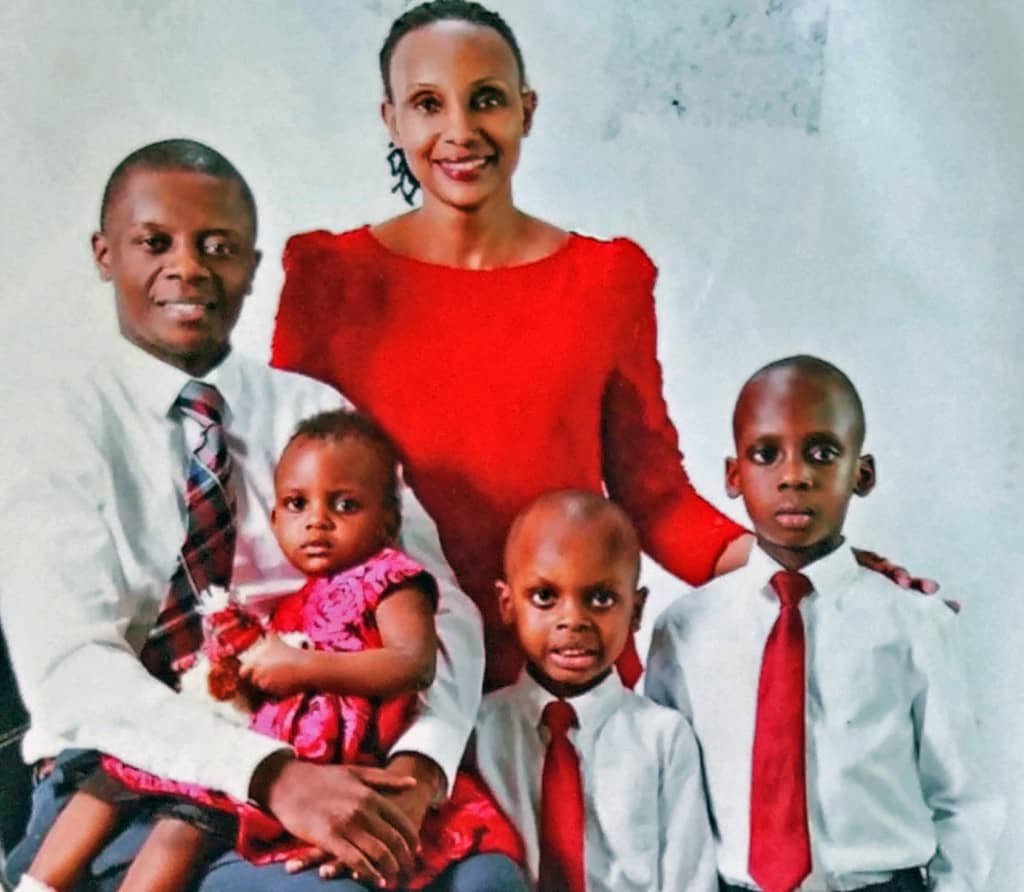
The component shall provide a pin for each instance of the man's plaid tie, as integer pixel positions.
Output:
(207, 555)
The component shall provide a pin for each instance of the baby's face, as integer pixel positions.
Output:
(330, 511)
(571, 598)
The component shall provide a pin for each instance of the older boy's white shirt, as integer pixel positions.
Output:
(645, 812)
(92, 517)
(891, 767)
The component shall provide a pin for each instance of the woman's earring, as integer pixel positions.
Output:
(405, 183)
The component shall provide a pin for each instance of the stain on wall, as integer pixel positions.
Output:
(716, 64)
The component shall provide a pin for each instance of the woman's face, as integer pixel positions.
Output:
(458, 110)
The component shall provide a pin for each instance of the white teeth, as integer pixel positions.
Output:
(469, 164)
(185, 309)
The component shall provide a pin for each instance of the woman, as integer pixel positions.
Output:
(505, 355)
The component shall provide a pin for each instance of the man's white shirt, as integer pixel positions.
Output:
(92, 515)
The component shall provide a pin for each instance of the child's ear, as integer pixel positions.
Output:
(101, 255)
(732, 478)
(387, 115)
(866, 476)
(639, 600)
(530, 100)
(504, 602)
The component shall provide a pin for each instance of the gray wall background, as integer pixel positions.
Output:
(836, 177)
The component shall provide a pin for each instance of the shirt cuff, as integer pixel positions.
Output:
(237, 771)
(436, 739)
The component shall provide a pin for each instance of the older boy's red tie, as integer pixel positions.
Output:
(780, 846)
(561, 806)
(207, 555)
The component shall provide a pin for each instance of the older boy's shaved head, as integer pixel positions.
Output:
(551, 514)
(177, 154)
(785, 372)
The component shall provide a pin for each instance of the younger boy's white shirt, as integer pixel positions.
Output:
(92, 516)
(645, 812)
(891, 770)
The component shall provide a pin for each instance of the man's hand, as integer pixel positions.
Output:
(344, 812)
(412, 800)
(274, 667)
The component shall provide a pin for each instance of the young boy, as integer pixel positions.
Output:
(603, 785)
(830, 707)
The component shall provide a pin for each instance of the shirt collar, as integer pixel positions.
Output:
(829, 575)
(592, 708)
(154, 385)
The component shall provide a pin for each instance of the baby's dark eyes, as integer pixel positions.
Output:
(344, 504)
(603, 598)
(294, 503)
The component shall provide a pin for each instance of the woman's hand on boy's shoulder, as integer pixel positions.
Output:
(900, 575)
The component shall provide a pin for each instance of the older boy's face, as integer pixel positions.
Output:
(798, 462)
(570, 599)
(178, 247)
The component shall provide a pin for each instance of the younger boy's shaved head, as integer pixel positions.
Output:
(177, 154)
(577, 508)
(800, 366)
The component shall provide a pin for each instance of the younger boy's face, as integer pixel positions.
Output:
(571, 600)
(798, 438)
(178, 247)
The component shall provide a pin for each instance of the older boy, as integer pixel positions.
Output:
(603, 785)
(831, 708)
(106, 541)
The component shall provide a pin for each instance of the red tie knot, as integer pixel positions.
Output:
(202, 401)
(559, 717)
(791, 586)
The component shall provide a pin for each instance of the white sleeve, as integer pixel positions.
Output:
(687, 848)
(65, 609)
(967, 817)
(449, 706)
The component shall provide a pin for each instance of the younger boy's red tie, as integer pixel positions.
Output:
(561, 806)
(780, 846)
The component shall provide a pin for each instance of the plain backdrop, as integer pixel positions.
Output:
(842, 178)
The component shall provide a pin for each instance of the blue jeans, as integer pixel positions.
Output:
(228, 872)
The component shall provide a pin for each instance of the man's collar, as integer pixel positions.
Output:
(154, 385)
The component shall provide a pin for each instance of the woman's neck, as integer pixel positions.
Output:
(483, 238)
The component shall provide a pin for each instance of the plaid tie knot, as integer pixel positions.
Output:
(203, 402)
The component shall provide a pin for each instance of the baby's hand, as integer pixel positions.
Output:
(274, 667)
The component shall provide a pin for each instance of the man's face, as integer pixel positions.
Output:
(179, 248)
(571, 599)
(798, 438)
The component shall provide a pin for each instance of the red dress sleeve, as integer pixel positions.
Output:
(301, 329)
(642, 465)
